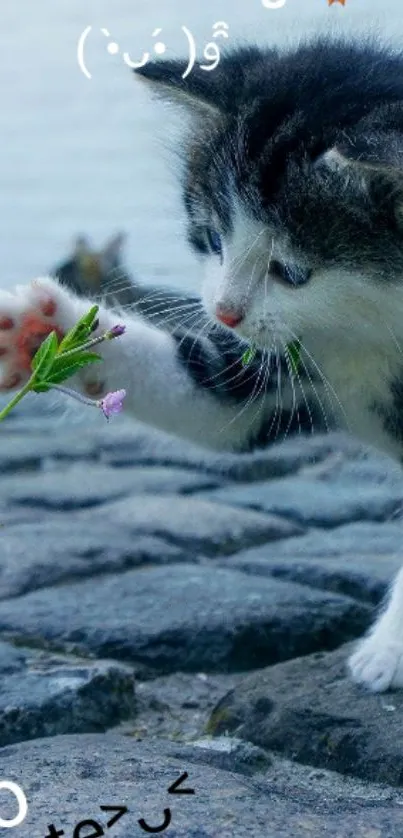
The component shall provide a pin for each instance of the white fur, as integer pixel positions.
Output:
(378, 659)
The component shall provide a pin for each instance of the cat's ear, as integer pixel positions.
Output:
(385, 187)
(197, 93)
(373, 166)
(377, 160)
(202, 92)
(114, 246)
(381, 151)
(332, 159)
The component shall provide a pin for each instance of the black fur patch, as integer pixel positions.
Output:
(304, 419)
(216, 363)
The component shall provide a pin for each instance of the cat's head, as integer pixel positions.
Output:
(290, 193)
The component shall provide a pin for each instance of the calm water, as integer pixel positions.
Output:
(93, 155)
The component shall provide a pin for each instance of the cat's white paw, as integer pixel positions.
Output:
(27, 316)
(377, 663)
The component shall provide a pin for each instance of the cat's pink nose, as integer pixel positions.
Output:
(229, 317)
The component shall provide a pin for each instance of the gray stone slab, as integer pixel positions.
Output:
(12, 659)
(316, 503)
(192, 523)
(143, 529)
(12, 515)
(366, 578)
(82, 486)
(139, 445)
(22, 454)
(186, 617)
(29, 451)
(361, 537)
(310, 711)
(371, 467)
(67, 779)
(359, 559)
(44, 695)
(63, 549)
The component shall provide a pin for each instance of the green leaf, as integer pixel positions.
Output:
(248, 356)
(40, 387)
(43, 359)
(81, 356)
(66, 368)
(80, 332)
(294, 352)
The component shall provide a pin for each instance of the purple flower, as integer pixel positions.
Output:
(112, 403)
(116, 331)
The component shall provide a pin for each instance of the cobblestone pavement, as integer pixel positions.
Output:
(164, 609)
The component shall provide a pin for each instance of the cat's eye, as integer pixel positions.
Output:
(215, 242)
(290, 274)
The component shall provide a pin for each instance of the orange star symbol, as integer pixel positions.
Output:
(342, 2)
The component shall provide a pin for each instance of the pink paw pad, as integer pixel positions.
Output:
(6, 323)
(21, 337)
(48, 307)
(94, 389)
(32, 331)
(12, 381)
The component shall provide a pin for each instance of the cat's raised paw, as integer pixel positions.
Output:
(27, 316)
(377, 663)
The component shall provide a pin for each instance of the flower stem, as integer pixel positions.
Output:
(74, 394)
(84, 346)
(16, 399)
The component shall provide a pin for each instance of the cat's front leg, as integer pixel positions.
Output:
(378, 660)
(170, 381)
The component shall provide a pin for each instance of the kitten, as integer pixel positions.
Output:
(293, 191)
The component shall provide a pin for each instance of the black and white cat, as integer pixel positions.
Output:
(294, 197)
